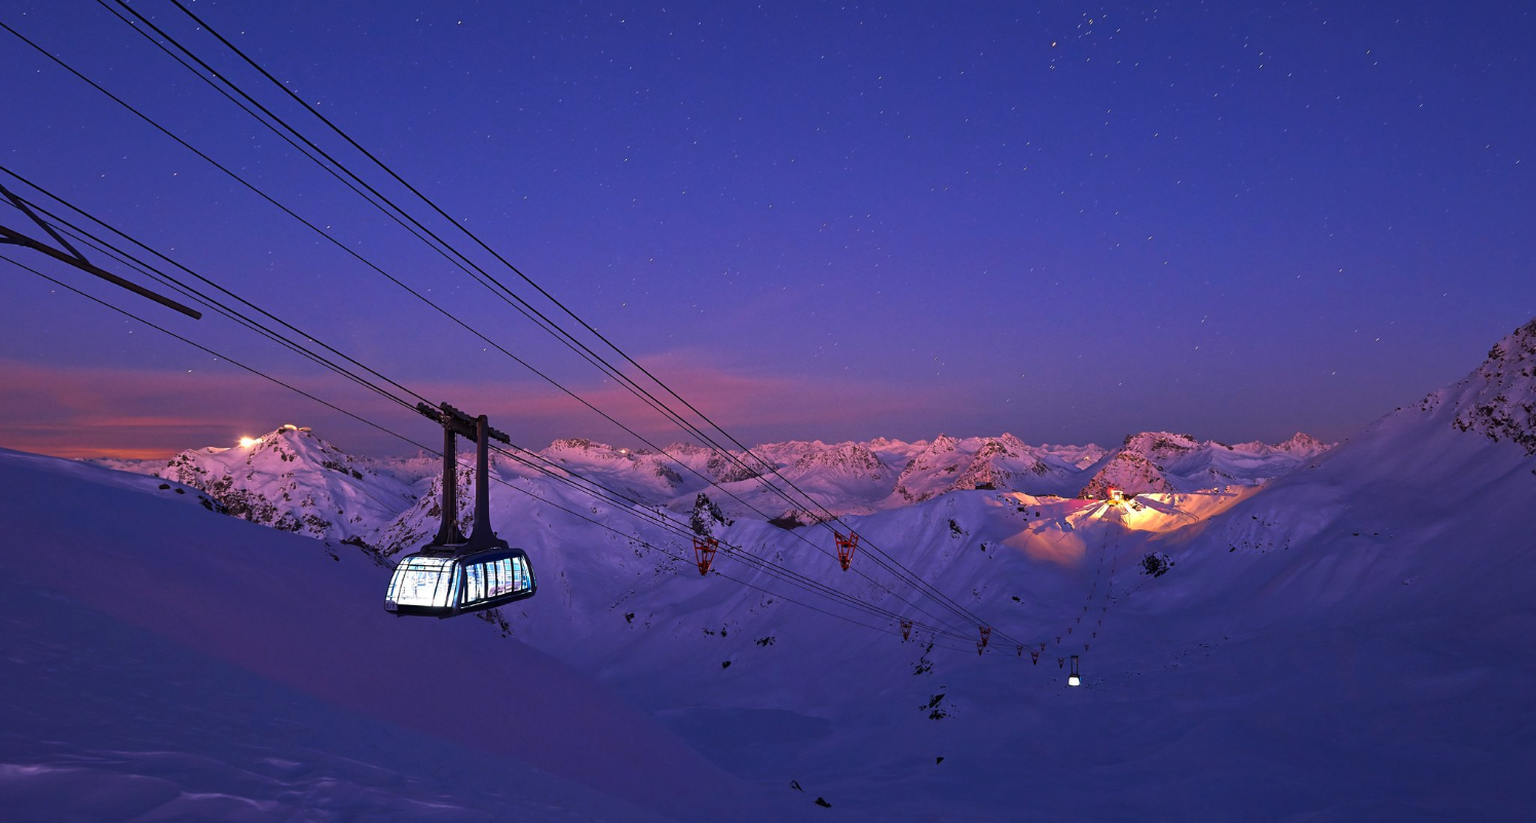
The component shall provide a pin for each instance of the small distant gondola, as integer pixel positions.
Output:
(454, 575)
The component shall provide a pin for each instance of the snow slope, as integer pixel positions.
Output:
(163, 662)
(1347, 642)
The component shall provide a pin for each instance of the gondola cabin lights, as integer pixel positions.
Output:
(444, 585)
(1116, 496)
(1073, 678)
(455, 575)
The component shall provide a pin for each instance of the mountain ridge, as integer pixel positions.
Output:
(293, 480)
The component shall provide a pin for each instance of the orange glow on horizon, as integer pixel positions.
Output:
(88, 452)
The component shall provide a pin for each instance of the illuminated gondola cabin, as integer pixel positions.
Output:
(455, 575)
(438, 584)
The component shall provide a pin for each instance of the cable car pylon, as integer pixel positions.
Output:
(704, 549)
(455, 575)
(846, 547)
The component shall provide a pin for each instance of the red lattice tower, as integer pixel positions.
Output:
(704, 549)
(845, 548)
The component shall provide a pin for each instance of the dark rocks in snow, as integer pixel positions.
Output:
(1498, 400)
(924, 665)
(705, 516)
(1156, 564)
(788, 522)
(729, 471)
(495, 618)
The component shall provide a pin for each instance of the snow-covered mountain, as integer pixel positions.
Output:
(1498, 400)
(293, 481)
(1005, 463)
(1168, 462)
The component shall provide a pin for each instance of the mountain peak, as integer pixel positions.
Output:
(1301, 444)
(850, 458)
(1129, 470)
(1160, 445)
(293, 481)
(1498, 399)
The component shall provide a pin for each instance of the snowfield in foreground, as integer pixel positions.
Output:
(161, 662)
(1349, 641)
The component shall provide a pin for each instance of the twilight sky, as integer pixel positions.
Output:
(1067, 221)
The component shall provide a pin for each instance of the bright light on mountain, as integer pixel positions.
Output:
(247, 442)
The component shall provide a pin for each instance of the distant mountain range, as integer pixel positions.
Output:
(293, 480)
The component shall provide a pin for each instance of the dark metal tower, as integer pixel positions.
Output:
(456, 424)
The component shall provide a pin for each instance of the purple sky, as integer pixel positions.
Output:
(1066, 221)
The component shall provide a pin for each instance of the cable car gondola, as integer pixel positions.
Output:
(454, 575)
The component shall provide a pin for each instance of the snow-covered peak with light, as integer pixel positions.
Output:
(1128, 471)
(294, 481)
